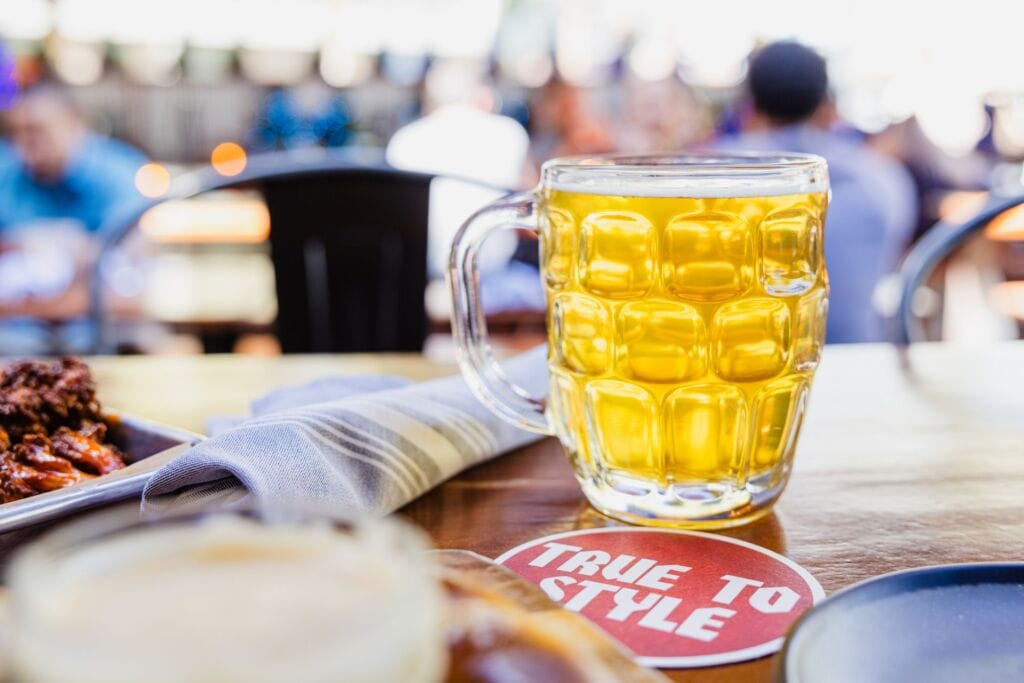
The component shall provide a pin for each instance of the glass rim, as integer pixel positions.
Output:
(97, 526)
(688, 161)
(697, 174)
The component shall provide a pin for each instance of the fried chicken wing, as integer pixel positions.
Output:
(85, 449)
(16, 480)
(52, 431)
(51, 472)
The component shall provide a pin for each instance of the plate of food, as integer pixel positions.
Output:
(62, 452)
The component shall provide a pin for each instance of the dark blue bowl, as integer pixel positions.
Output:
(933, 624)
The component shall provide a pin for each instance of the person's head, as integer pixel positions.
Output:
(46, 128)
(788, 82)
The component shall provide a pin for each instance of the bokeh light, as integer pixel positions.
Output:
(530, 70)
(152, 180)
(215, 217)
(1007, 226)
(1008, 298)
(954, 124)
(74, 62)
(341, 67)
(151, 64)
(652, 59)
(587, 43)
(228, 159)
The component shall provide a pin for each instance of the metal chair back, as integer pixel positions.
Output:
(348, 242)
(930, 251)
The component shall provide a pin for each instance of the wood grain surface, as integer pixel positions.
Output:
(894, 469)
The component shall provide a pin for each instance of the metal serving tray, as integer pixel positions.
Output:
(147, 446)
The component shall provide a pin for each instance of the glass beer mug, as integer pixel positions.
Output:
(687, 298)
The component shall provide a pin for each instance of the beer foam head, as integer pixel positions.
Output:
(691, 176)
(245, 600)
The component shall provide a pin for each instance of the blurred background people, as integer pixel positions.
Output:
(449, 87)
(662, 116)
(59, 183)
(55, 168)
(565, 120)
(301, 117)
(873, 212)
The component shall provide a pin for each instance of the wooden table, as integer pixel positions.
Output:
(894, 470)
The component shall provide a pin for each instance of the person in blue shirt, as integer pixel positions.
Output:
(53, 167)
(290, 119)
(873, 210)
(59, 185)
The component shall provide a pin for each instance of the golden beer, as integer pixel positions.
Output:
(683, 335)
(687, 298)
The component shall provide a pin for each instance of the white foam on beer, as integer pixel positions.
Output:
(234, 600)
(689, 188)
(950, 633)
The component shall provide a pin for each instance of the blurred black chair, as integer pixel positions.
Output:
(349, 248)
(926, 255)
(348, 242)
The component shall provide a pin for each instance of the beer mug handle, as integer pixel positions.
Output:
(481, 370)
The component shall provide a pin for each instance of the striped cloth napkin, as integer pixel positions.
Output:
(367, 443)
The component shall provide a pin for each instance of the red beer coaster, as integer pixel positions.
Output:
(676, 599)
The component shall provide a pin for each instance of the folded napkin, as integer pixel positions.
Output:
(363, 443)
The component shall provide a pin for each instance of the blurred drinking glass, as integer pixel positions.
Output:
(226, 597)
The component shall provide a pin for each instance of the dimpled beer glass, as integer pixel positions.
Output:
(687, 298)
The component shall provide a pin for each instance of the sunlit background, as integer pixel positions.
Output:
(192, 82)
(889, 61)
